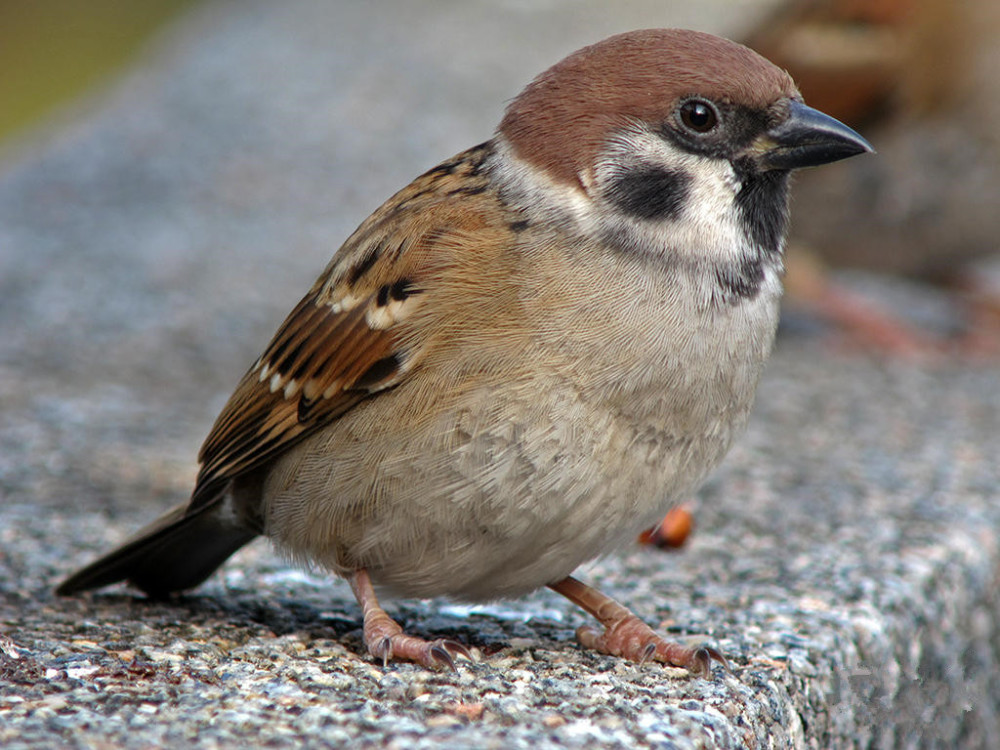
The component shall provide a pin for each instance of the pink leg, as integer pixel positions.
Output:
(386, 640)
(626, 635)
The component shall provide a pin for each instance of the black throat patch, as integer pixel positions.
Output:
(743, 280)
(763, 211)
(763, 205)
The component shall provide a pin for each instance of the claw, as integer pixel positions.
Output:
(701, 663)
(459, 649)
(713, 654)
(647, 653)
(382, 649)
(444, 652)
(439, 653)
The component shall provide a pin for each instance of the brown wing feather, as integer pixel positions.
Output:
(263, 416)
(341, 343)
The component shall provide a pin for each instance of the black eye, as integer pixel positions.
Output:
(698, 115)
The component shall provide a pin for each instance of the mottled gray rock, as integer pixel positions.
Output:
(845, 558)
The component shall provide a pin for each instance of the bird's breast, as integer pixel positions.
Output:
(478, 480)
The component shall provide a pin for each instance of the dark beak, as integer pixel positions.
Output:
(808, 138)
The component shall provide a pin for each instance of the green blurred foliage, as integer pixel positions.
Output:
(53, 50)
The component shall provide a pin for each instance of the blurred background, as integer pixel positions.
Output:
(54, 51)
(921, 80)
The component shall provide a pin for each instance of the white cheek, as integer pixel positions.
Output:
(708, 223)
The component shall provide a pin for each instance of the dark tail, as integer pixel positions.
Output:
(177, 551)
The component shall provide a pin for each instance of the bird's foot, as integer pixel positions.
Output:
(633, 639)
(625, 635)
(385, 639)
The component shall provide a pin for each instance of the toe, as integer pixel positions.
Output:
(429, 654)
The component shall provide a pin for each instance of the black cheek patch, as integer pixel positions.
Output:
(649, 192)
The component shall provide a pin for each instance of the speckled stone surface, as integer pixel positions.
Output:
(846, 554)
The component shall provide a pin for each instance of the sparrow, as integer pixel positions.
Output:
(525, 356)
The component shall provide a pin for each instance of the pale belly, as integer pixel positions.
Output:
(502, 492)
